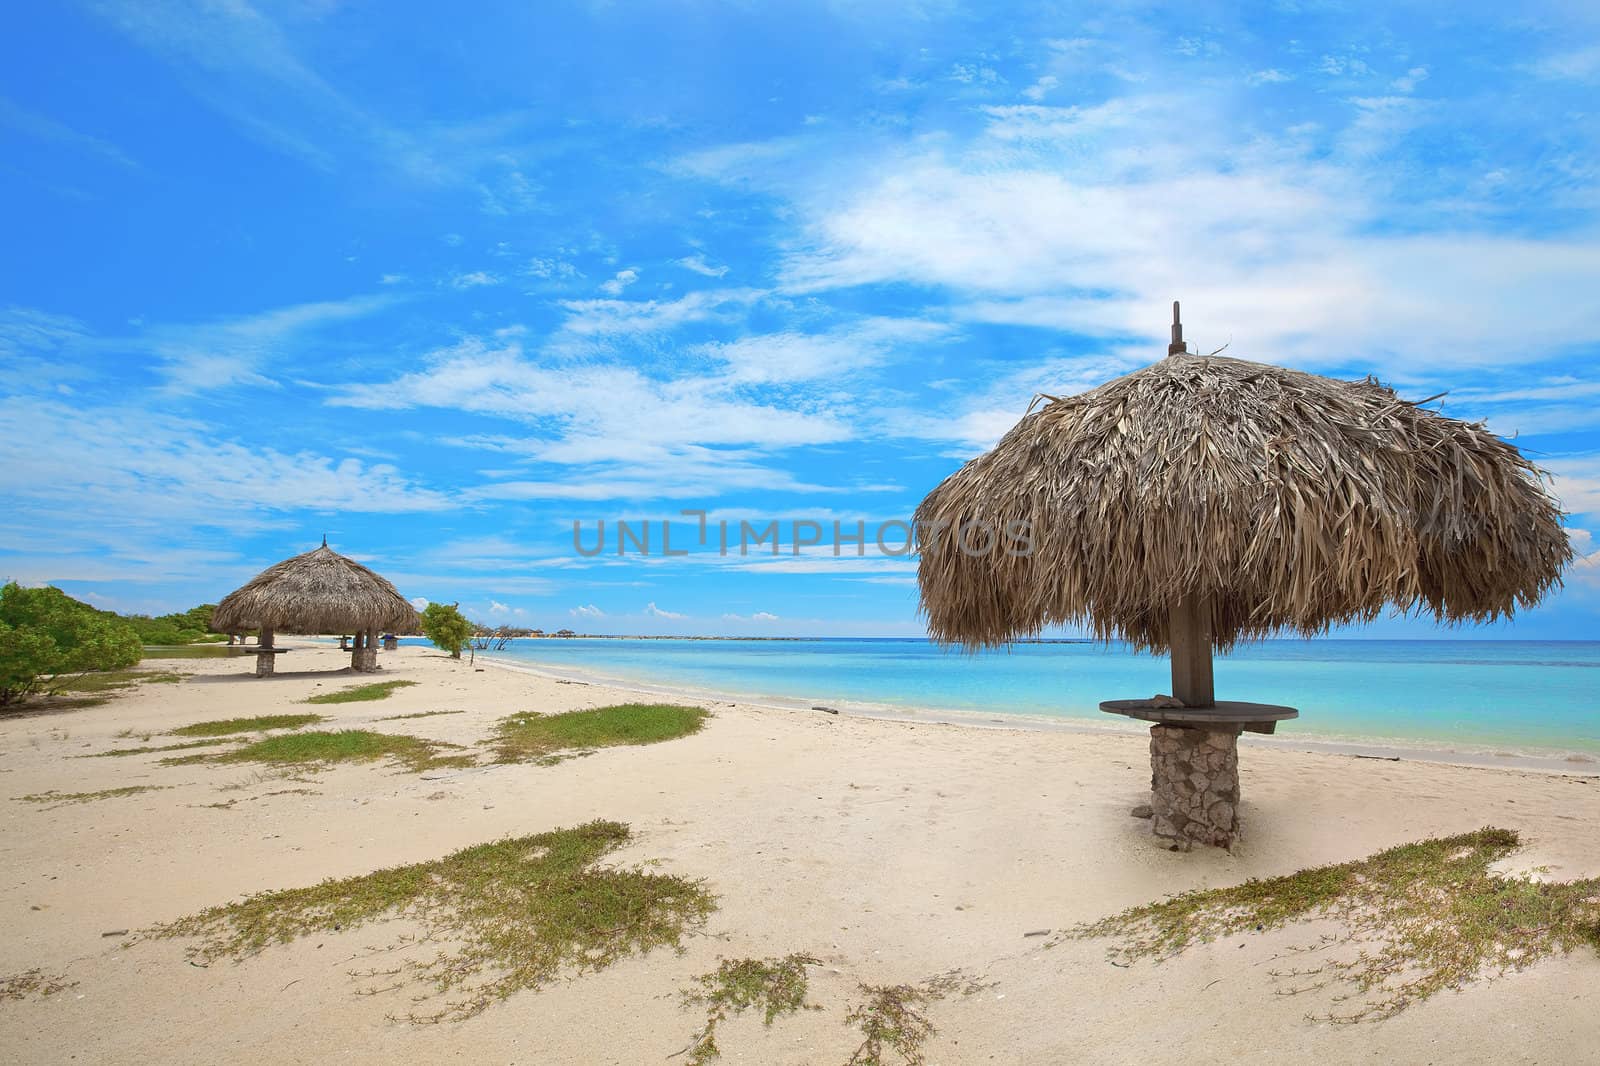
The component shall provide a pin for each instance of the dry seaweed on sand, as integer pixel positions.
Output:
(1417, 919)
(773, 986)
(500, 918)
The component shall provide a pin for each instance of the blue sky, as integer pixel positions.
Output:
(438, 282)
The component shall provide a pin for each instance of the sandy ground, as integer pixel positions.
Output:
(892, 851)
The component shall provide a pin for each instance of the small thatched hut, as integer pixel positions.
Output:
(1202, 501)
(318, 592)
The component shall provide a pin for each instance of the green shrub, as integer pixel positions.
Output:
(46, 635)
(446, 627)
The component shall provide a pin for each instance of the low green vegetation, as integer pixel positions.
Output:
(529, 736)
(33, 983)
(1417, 919)
(377, 690)
(346, 745)
(62, 799)
(183, 627)
(113, 680)
(416, 714)
(894, 1018)
(773, 986)
(498, 918)
(117, 753)
(446, 627)
(46, 635)
(225, 726)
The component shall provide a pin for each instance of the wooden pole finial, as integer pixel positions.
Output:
(324, 540)
(1176, 347)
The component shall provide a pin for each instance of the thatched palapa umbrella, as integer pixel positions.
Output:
(318, 592)
(1204, 500)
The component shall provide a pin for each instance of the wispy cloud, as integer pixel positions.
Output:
(698, 264)
(1051, 218)
(203, 357)
(45, 128)
(178, 473)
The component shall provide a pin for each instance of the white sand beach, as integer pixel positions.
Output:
(891, 851)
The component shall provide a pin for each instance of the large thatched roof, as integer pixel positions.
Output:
(1285, 500)
(318, 592)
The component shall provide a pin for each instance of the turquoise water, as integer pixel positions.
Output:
(1531, 695)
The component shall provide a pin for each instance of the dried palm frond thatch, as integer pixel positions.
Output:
(318, 592)
(1275, 499)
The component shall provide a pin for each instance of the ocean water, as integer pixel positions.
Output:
(1531, 696)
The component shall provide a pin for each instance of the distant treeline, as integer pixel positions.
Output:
(183, 627)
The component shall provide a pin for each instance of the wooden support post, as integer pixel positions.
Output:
(355, 651)
(1190, 635)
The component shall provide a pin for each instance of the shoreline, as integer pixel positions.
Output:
(1564, 763)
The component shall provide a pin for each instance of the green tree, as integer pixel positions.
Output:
(446, 627)
(46, 634)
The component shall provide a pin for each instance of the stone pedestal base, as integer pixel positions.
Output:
(364, 659)
(264, 664)
(1194, 785)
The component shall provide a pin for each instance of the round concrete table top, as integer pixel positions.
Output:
(1222, 713)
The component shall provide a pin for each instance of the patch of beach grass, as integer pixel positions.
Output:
(536, 737)
(224, 726)
(774, 986)
(500, 918)
(33, 983)
(347, 745)
(1417, 919)
(114, 680)
(377, 690)
(415, 714)
(62, 799)
(891, 1017)
(117, 753)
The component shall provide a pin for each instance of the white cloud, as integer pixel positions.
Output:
(620, 281)
(609, 317)
(637, 435)
(1270, 76)
(698, 264)
(176, 472)
(419, 602)
(205, 357)
(793, 356)
(1585, 568)
(758, 616)
(588, 610)
(546, 268)
(477, 279)
(1093, 219)
(656, 612)
(1410, 80)
(1041, 88)
(1579, 64)
(1576, 483)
